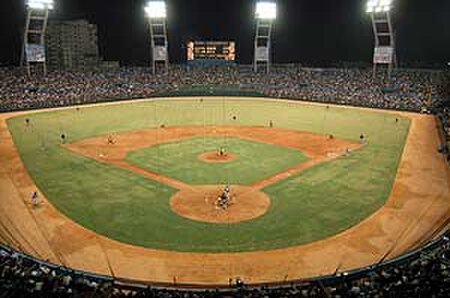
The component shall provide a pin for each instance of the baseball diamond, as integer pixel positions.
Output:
(135, 189)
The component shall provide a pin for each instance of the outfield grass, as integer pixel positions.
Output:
(124, 206)
(180, 159)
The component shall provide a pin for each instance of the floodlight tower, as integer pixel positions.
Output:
(157, 13)
(384, 50)
(33, 50)
(266, 13)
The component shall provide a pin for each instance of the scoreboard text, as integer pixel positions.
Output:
(219, 50)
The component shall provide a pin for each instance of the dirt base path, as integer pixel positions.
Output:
(319, 148)
(417, 207)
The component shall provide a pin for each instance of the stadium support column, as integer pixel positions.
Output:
(265, 15)
(156, 14)
(384, 49)
(34, 47)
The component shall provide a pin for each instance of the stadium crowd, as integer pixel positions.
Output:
(411, 90)
(427, 274)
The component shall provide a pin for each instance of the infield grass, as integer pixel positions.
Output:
(180, 159)
(122, 205)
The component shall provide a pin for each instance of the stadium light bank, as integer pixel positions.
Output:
(156, 10)
(266, 10)
(377, 6)
(40, 4)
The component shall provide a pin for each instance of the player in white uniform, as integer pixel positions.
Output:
(35, 198)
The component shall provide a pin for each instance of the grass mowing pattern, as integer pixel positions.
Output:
(179, 160)
(119, 204)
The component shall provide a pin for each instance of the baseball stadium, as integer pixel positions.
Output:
(222, 179)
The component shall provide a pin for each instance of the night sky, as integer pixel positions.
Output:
(313, 32)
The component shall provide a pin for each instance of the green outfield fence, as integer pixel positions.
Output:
(210, 90)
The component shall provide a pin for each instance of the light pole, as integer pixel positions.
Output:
(33, 49)
(156, 13)
(384, 49)
(266, 13)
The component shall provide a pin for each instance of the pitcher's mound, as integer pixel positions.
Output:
(199, 204)
(214, 157)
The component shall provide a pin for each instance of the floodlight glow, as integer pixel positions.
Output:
(40, 4)
(156, 9)
(377, 6)
(266, 10)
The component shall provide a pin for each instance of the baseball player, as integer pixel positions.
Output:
(34, 198)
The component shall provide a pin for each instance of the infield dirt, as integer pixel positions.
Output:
(214, 157)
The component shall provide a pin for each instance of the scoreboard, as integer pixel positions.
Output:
(217, 50)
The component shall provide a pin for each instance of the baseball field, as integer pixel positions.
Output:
(132, 187)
